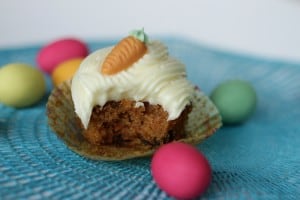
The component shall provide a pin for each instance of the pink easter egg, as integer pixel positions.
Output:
(181, 170)
(58, 51)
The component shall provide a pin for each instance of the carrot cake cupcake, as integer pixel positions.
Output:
(126, 100)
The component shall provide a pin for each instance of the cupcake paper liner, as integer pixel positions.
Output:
(203, 121)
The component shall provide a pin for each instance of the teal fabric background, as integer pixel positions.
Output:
(259, 159)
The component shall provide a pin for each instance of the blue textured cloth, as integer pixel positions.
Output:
(256, 160)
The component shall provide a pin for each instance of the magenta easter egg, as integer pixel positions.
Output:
(58, 51)
(181, 170)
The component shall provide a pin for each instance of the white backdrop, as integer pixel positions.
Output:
(268, 28)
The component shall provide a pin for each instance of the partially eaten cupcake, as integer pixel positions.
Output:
(126, 101)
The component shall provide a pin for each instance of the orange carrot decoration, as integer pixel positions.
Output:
(125, 53)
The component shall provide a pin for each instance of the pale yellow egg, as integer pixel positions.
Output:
(21, 85)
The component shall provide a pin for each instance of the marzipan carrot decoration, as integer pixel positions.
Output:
(125, 53)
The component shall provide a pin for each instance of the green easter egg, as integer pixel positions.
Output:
(235, 99)
(21, 85)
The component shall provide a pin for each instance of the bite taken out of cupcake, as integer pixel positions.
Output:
(127, 100)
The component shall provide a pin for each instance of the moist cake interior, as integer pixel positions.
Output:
(129, 123)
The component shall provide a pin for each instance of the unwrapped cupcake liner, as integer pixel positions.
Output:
(203, 121)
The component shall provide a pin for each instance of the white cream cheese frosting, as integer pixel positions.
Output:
(156, 78)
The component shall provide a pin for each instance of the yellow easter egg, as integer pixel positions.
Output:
(65, 70)
(21, 85)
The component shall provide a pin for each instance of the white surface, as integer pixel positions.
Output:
(269, 28)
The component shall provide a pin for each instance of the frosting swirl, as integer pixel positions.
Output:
(156, 78)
